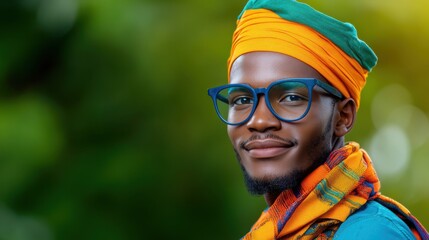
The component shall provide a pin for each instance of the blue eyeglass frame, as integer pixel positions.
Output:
(308, 82)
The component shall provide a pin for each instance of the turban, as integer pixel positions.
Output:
(328, 45)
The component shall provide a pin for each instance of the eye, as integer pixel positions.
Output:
(292, 98)
(242, 100)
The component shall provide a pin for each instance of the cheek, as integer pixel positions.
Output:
(237, 135)
(306, 132)
(317, 120)
(322, 109)
(230, 131)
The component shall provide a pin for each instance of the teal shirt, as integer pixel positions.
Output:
(373, 221)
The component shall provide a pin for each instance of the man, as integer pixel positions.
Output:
(295, 78)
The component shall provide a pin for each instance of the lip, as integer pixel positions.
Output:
(267, 148)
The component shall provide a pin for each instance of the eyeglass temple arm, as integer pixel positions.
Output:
(330, 89)
(222, 98)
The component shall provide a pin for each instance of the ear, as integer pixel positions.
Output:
(345, 117)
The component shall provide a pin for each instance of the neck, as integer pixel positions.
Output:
(337, 143)
(271, 197)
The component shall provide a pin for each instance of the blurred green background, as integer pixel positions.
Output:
(106, 130)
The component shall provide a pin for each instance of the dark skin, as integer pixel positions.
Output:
(268, 148)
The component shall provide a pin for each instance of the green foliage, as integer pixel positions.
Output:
(106, 130)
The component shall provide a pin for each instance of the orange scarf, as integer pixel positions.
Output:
(345, 182)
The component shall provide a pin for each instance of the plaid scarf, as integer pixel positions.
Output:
(336, 189)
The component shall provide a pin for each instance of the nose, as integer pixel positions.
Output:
(263, 119)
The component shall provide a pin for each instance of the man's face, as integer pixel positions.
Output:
(276, 155)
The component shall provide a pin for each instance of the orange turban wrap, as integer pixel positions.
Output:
(345, 64)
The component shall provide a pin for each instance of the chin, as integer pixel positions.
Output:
(272, 183)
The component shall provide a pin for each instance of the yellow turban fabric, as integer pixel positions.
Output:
(263, 29)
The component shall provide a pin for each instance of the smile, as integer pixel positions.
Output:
(267, 148)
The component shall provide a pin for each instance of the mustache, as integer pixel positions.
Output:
(267, 136)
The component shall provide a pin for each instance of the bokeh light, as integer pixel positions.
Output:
(390, 149)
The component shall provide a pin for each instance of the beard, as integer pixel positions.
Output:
(274, 185)
(318, 152)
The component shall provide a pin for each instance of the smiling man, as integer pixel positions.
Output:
(295, 78)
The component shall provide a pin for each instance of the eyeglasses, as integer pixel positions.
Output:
(288, 99)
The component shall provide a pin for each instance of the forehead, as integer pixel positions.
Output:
(259, 69)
